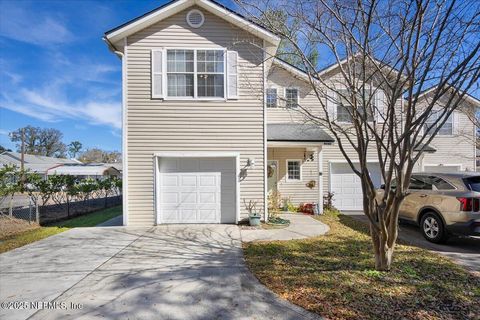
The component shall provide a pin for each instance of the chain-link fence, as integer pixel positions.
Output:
(60, 211)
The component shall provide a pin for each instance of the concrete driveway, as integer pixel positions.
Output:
(463, 250)
(168, 272)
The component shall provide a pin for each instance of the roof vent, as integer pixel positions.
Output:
(195, 18)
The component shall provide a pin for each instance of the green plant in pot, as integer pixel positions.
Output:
(254, 215)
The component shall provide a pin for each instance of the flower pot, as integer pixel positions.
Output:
(254, 219)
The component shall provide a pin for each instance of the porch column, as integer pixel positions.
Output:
(320, 179)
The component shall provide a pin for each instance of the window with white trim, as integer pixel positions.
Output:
(180, 73)
(291, 97)
(272, 98)
(294, 171)
(207, 80)
(432, 123)
(345, 109)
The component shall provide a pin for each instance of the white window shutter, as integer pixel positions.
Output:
(332, 105)
(232, 75)
(380, 104)
(455, 123)
(157, 73)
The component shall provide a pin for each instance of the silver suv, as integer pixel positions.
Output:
(443, 204)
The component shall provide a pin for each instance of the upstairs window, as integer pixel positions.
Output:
(180, 73)
(271, 98)
(345, 109)
(207, 80)
(291, 97)
(431, 124)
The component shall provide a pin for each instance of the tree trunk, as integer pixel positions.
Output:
(383, 249)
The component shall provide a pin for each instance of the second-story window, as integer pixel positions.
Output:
(432, 123)
(271, 98)
(207, 80)
(345, 109)
(291, 97)
(210, 71)
(180, 73)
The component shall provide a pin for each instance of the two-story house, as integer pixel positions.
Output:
(208, 121)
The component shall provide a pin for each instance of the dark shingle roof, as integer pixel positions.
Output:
(297, 132)
(425, 148)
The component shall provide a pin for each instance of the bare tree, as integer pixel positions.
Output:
(99, 155)
(387, 53)
(39, 141)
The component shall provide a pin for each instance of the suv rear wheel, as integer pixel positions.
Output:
(433, 228)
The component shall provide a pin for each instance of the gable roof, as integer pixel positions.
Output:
(176, 6)
(468, 97)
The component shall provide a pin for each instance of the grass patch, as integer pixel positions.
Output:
(334, 276)
(89, 220)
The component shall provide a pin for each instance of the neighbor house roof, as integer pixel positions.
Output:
(83, 170)
(34, 163)
(176, 6)
(289, 132)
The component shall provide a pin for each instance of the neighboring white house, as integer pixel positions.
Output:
(204, 128)
(47, 166)
(34, 163)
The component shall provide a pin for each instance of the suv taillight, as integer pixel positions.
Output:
(469, 204)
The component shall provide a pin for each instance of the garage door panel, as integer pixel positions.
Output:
(208, 181)
(188, 197)
(197, 190)
(347, 186)
(188, 181)
(169, 181)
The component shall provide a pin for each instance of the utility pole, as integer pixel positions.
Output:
(22, 159)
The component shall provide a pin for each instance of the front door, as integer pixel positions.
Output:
(272, 175)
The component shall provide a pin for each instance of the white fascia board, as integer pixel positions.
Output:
(197, 154)
(180, 5)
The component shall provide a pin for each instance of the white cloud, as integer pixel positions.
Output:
(17, 23)
(49, 103)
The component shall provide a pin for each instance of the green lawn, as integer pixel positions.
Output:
(88, 220)
(333, 276)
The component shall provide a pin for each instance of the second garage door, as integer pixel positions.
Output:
(347, 187)
(196, 190)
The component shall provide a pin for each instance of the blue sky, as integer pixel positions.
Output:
(56, 72)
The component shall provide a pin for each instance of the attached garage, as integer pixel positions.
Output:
(197, 189)
(347, 187)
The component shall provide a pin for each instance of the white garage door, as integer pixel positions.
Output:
(196, 190)
(347, 187)
(441, 169)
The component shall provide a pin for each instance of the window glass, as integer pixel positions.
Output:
(293, 168)
(345, 108)
(431, 124)
(473, 183)
(271, 98)
(420, 183)
(440, 184)
(291, 97)
(209, 76)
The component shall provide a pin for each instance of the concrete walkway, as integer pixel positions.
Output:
(165, 272)
(301, 226)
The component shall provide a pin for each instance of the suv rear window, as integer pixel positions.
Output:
(473, 183)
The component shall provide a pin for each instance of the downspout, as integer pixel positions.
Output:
(122, 56)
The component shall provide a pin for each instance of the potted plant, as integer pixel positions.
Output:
(253, 215)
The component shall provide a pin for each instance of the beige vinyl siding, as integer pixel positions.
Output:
(155, 125)
(455, 149)
(296, 190)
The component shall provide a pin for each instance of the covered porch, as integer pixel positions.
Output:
(294, 161)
